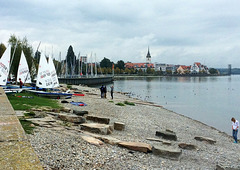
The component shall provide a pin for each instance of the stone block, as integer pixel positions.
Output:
(167, 152)
(72, 118)
(167, 135)
(98, 119)
(65, 109)
(119, 126)
(80, 113)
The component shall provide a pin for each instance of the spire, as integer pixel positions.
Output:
(148, 57)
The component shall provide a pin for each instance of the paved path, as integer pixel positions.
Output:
(15, 150)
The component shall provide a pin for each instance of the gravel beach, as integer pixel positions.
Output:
(61, 147)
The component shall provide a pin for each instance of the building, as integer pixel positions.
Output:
(142, 66)
(148, 57)
(165, 68)
(197, 68)
(182, 69)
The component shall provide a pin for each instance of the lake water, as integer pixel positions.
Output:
(211, 100)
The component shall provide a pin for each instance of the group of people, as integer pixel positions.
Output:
(103, 90)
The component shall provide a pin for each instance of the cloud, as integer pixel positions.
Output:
(178, 32)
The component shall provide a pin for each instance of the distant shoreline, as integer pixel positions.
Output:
(193, 75)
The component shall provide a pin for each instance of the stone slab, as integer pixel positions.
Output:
(205, 139)
(92, 140)
(107, 139)
(97, 128)
(167, 135)
(136, 146)
(187, 146)
(72, 118)
(98, 119)
(167, 152)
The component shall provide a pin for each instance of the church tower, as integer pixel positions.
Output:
(148, 57)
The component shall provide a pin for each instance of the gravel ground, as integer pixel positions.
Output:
(65, 149)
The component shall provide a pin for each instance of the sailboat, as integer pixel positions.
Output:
(5, 66)
(23, 70)
(47, 79)
(53, 73)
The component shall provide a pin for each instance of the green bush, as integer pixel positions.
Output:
(129, 103)
(120, 104)
(110, 101)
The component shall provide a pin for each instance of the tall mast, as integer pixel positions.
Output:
(86, 66)
(95, 65)
(81, 66)
(78, 65)
(91, 66)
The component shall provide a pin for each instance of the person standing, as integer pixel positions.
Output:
(101, 89)
(105, 92)
(112, 91)
(235, 125)
(21, 83)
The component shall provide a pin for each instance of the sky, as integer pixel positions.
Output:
(176, 32)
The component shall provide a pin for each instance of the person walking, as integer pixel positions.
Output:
(112, 91)
(235, 125)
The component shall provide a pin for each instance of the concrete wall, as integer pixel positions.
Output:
(15, 150)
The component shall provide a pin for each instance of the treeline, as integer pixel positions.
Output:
(17, 46)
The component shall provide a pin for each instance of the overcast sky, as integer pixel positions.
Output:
(177, 32)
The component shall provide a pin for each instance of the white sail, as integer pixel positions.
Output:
(44, 79)
(53, 73)
(5, 66)
(23, 70)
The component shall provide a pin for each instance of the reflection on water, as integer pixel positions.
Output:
(212, 100)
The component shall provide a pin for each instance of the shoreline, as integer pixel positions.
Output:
(66, 149)
(198, 121)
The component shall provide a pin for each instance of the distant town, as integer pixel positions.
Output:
(79, 66)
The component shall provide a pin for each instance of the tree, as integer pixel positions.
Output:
(120, 64)
(140, 72)
(213, 71)
(20, 45)
(127, 71)
(106, 63)
(117, 71)
(71, 60)
(2, 49)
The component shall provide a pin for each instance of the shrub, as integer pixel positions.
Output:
(120, 104)
(129, 103)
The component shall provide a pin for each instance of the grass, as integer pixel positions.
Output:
(27, 126)
(120, 104)
(21, 103)
(129, 103)
(110, 101)
(29, 114)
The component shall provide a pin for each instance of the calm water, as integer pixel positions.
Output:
(212, 100)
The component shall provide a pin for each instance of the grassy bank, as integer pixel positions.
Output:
(26, 101)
